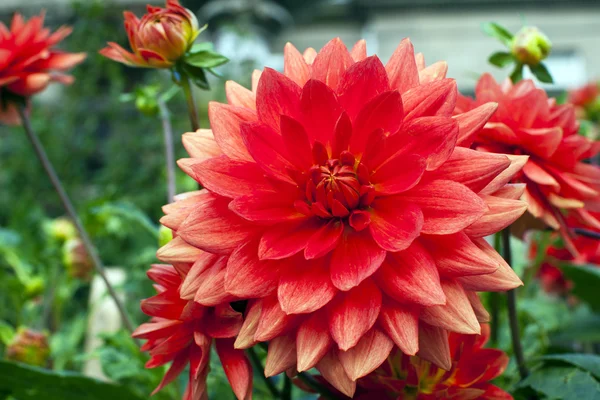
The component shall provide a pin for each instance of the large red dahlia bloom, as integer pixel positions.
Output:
(405, 377)
(528, 122)
(29, 62)
(347, 212)
(182, 332)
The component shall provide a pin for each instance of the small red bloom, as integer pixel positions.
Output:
(584, 95)
(348, 215)
(182, 331)
(528, 122)
(158, 39)
(29, 62)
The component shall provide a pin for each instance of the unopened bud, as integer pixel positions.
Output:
(29, 347)
(530, 46)
(77, 260)
(61, 229)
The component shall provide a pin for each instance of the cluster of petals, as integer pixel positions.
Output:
(347, 214)
(157, 40)
(585, 95)
(181, 332)
(406, 377)
(528, 122)
(29, 61)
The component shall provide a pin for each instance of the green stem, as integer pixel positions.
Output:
(68, 205)
(309, 381)
(191, 103)
(495, 302)
(258, 366)
(513, 319)
(286, 393)
(165, 118)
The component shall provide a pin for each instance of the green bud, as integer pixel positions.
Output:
(61, 229)
(29, 347)
(165, 235)
(530, 46)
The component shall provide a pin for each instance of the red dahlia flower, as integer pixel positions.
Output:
(29, 62)
(584, 95)
(528, 122)
(405, 377)
(159, 39)
(347, 212)
(182, 331)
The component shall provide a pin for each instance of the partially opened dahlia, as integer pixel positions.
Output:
(528, 122)
(350, 218)
(182, 332)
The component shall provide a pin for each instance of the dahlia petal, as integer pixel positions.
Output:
(434, 346)
(286, 239)
(500, 281)
(281, 355)
(179, 210)
(213, 228)
(324, 240)
(164, 275)
(320, 111)
(359, 50)
(434, 72)
(225, 121)
(305, 288)
(368, 354)
(436, 98)
(294, 66)
(401, 323)
(395, 225)
(501, 214)
(500, 132)
(448, 206)
(245, 338)
(342, 135)
(239, 96)
(230, 178)
(179, 364)
(411, 276)
(196, 275)
(223, 322)
(511, 191)
(178, 251)
(163, 305)
(480, 312)
(516, 164)
(296, 143)
(474, 169)
(542, 142)
(471, 122)
(265, 207)
(562, 202)
(456, 315)
(393, 177)
(247, 276)
(237, 368)
(157, 329)
(273, 320)
(211, 285)
(201, 144)
(353, 313)
(456, 255)
(331, 62)
(402, 68)
(256, 74)
(536, 173)
(313, 341)
(355, 258)
(360, 83)
(332, 370)
(268, 149)
(431, 137)
(276, 95)
(309, 55)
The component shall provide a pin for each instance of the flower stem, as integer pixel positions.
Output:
(495, 301)
(191, 103)
(512, 311)
(258, 366)
(64, 198)
(286, 393)
(309, 381)
(169, 150)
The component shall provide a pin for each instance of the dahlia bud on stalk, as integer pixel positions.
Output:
(530, 46)
(29, 347)
(76, 259)
(61, 229)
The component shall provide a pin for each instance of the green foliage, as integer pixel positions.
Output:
(501, 59)
(586, 281)
(30, 383)
(497, 31)
(541, 73)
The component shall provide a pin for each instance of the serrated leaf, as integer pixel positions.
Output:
(496, 31)
(563, 383)
(588, 362)
(205, 59)
(25, 382)
(586, 281)
(501, 59)
(541, 73)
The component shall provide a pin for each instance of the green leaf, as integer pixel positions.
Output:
(7, 332)
(25, 382)
(588, 362)
(586, 281)
(197, 75)
(203, 46)
(205, 59)
(563, 383)
(496, 31)
(584, 329)
(541, 73)
(501, 59)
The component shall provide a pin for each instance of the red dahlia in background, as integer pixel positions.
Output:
(29, 62)
(182, 332)
(348, 215)
(528, 122)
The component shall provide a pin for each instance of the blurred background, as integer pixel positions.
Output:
(110, 156)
